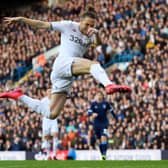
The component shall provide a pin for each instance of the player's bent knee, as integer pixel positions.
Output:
(53, 116)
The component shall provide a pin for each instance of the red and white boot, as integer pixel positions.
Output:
(14, 94)
(113, 88)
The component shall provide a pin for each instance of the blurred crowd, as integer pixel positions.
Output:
(132, 28)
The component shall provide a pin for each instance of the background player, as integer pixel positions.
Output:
(99, 110)
(75, 39)
(49, 129)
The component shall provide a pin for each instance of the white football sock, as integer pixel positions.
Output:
(99, 74)
(40, 107)
(55, 144)
(46, 145)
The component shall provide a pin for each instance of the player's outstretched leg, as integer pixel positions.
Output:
(35, 104)
(99, 73)
(85, 66)
(49, 109)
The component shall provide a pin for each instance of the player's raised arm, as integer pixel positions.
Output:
(33, 23)
(96, 37)
(97, 40)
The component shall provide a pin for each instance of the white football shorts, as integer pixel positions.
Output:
(49, 126)
(61, 75)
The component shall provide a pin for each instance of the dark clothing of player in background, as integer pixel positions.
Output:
(100, 122)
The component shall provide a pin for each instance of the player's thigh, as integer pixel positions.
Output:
(58, 101)
(54, 128)
(81, 66)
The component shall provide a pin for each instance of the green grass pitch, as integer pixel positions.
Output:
(84, 164)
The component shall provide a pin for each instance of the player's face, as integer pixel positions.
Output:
(87, 23)
(99, 97)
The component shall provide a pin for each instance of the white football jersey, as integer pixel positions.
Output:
(73, 42)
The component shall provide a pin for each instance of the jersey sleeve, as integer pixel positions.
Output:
(91, 110)
(60, 26)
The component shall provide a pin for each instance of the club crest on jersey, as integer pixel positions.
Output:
(95, 107)
(104, 106)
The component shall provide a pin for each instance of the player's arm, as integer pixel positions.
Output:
(33, 23)
(95, 36)
(97, 39)
(111, 110)
(91, 112)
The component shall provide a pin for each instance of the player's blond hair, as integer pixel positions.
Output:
(90, 12)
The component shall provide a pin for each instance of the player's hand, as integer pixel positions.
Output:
(94, 115)
(9, 20)
(92, 31)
